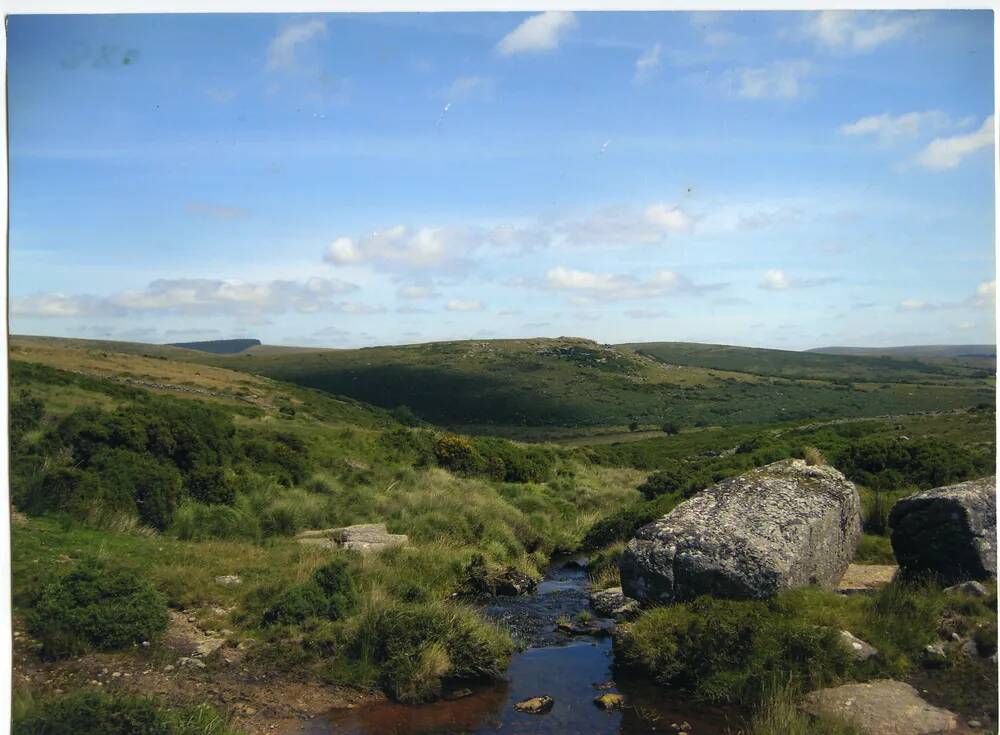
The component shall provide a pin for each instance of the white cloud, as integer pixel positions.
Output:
(777, 80)
(195, 296)
(915, 305)
(986, 294)
(848, 30)
(281, 50)
(64, 305)
(625, 226)
(775, 280)
(778, 280)
(965, 326)
(461, 305)
(414, 293)
(889, 128)
(541, 32)
(947, 153)
(589, 287)
(645, 314)
(357, 308)
(647, 63)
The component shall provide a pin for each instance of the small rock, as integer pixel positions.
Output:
(934, 656)
(972, 588)
(975, 724)
(229, 580)
(859, 650)
(189, 662)
(605, 685)
(116, 674)
(535, 705)
(168, 667)
(969, 649)
(610, 702)
(458, 694)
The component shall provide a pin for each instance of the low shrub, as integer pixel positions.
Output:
(622, 524)
(199, 522)
(730, 650)
(414, 646)
(102, 713)
(96, 606)
(330, 594)
(457, 454)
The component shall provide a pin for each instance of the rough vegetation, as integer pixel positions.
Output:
(141, 474)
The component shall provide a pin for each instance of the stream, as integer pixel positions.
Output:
(566, 668)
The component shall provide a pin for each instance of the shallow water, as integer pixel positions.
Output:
(568, 669)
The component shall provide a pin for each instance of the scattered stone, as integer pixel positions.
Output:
(971, 588)
(168, 667)
(605, 685)
(612, 603)
(969, 649)
(189, 662)
(458, 694)
(950, 531)
(934, 656)
(784, 525)
(882, 707)
(571, 627)
(365, 538)
(229, 580)
(208, 646)
(610, 702)
(975, 724)
(859, 650)
(865, 579)
(535, 705)
(505, 581)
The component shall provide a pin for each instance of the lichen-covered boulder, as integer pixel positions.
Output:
(949, 531)
(785, 525)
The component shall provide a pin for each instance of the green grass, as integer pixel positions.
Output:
(560, 384)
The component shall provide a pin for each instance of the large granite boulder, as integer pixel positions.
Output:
(365, 537)
(785, 525)
(950, 531)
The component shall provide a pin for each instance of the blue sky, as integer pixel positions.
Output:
(788, 180)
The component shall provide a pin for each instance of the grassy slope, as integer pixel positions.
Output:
(874, 367)
(525, 385)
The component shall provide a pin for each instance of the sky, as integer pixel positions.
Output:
(783, 179)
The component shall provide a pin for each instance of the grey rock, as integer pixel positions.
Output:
(612, 603)
(535, 705)
(934, 656)
(972, 588)
(882, 707)
(859, 650)
(785, 525)
(950, 531)
(365, 538)
(229, 580)
(969, 649)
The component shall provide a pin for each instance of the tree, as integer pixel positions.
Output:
(669, 427)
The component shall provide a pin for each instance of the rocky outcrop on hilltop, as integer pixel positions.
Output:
(949, 531)
(788, 524)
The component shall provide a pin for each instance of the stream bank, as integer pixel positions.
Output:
(572, 669)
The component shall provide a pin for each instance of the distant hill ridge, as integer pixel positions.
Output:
(219, 346)
(913, 351)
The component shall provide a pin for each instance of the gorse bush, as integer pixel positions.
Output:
(96, 606)
(886, 464)
(729, 650)
(495, 459)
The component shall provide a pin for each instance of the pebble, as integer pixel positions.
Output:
(975, 724)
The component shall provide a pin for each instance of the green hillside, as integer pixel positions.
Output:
(533, 385)
(876, 367)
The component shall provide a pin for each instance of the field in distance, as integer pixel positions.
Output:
(537, 388)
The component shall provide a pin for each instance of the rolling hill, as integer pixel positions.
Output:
(539, 387)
